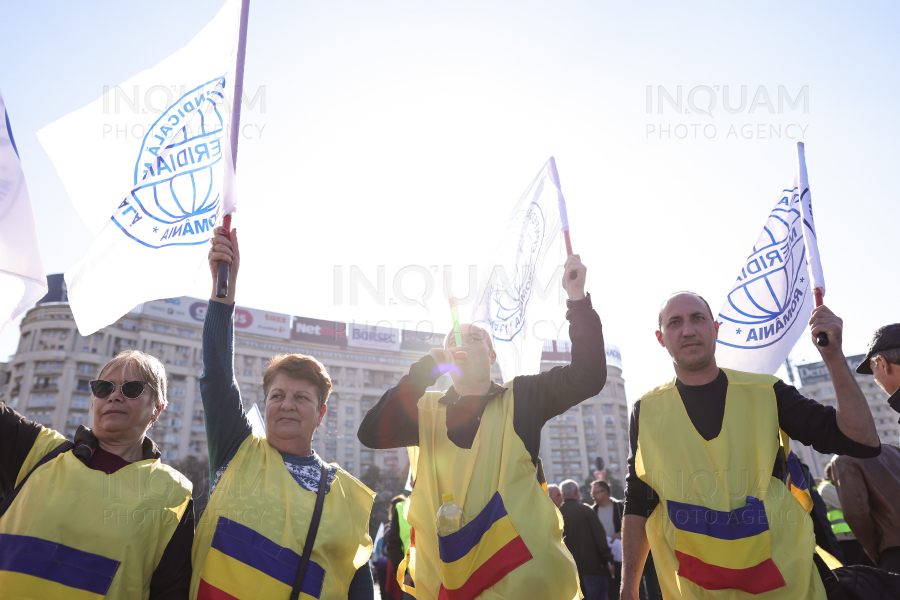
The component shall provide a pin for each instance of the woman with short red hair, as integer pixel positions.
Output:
(280, 521)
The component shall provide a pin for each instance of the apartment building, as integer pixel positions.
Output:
(598, 427)
(48, 379)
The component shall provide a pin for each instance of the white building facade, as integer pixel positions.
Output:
(48, 378)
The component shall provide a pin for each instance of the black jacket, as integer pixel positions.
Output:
(585, 538)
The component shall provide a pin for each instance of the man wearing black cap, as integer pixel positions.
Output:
(869, 488)
(883, 361)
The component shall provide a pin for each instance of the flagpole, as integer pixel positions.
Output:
(815, 264)
(224, 268)
(563, 215)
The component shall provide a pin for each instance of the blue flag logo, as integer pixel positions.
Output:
(177, 175)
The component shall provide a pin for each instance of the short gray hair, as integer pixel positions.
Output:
(570, 489)
(891, 355)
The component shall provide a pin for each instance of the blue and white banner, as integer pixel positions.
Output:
(148, 167)
(524, 278)
(768, 307)
(22, 278)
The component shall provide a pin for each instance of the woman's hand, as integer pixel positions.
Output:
(224, 247)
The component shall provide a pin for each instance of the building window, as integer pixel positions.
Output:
(185, 332)
(348, 423)
(608, 420)
(589, 431)
(611, 444)
(348, 451)
(80, 402)
(160, 328)
(248, 373)
(349, 410)
(607, 408)
(587, 409)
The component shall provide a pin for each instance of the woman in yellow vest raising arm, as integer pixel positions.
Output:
(477, 448)
(100, 517)
(280, 523)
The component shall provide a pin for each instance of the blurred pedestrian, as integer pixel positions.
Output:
(586, 540)
(609, 511)
(555, 494)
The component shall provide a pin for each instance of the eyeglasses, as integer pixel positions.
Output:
(130, 389)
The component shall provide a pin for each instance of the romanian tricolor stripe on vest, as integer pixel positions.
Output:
(243, 564)
(34, 568)
(720, 550)
(796, 482)
(480, 554)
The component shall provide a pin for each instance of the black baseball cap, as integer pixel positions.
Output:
(884, 338)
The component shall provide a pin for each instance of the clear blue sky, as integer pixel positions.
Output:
(398, 133)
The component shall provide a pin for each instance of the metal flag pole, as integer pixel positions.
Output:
(224, 269)
(563, 215)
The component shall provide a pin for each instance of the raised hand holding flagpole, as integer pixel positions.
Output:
(224, 269)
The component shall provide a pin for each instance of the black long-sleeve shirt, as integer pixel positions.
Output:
(804, 420)
(172, 577)
(394, 421)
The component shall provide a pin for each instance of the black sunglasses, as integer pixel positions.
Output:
(130, 389)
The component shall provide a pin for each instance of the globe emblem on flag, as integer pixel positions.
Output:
(764, 301)
(509, 299)
(177, 175)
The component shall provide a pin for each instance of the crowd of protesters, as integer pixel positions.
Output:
(283, 523)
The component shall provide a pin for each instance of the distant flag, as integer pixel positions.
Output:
(523, 275)
(768, 307)
(149, 169)
(22, 278)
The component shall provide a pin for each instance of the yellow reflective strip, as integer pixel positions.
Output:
(830, 561)
(731, 554)
(454, 575)
(240, 580)
(19, 585)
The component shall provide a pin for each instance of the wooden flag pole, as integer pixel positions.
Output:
(224, 269)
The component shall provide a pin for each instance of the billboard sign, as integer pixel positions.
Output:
(317, 331)
(363, 335)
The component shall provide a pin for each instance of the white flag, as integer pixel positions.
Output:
(22, 278)
(524, 275)
(148, 167)
(768, 308)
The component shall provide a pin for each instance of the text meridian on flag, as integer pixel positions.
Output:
(509, 299)
(177, 176)
(763, 304)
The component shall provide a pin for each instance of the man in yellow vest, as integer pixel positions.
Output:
(479, 442)
(711, 488)
(853, 553)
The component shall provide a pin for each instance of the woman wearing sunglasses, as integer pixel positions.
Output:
(280, 522)
(100, 516)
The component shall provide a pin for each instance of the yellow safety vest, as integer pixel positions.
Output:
(835, 515)
(725, 528)
(404, 525)
(511, 544)
(251, 535)
(77, 533)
